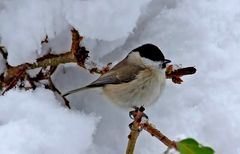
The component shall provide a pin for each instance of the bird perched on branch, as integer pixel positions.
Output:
(137, 80)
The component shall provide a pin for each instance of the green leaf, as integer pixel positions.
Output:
(191, 146)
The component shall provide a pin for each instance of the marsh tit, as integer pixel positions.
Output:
(138, 80)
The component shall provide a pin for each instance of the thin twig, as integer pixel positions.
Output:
(135, 131)
(132, 139)
(138, 125)
(156, 133)
(176, 74)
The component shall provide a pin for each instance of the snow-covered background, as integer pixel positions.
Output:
(202, 33)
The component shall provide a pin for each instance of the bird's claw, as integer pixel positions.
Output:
(133, 114)
(138, 115)
(131, 127)
(145, 116)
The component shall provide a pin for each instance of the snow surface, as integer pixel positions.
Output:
(36, 19)
(35, 122)
(204, 34)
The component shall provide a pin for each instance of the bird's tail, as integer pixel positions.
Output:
(75, 90)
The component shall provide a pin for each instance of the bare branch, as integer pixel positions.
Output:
(156, 133)
(137, 125)
(176, 74)
(135, 130)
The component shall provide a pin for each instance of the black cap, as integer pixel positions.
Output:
(151, 52)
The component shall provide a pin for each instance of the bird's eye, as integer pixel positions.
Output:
(163, 65)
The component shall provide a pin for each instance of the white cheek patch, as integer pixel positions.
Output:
(151, 63)
(135, 57)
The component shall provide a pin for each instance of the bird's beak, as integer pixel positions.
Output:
(166, 61)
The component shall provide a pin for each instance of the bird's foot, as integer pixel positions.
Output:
(134, 113)
(131, 127)
(138, 116)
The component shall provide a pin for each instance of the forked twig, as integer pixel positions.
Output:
(137, 125)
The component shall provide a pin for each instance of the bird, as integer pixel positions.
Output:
(138, 80)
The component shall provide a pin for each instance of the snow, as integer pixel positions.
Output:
(35, 122)
(108, 20)
(204, 34)
(103, 20)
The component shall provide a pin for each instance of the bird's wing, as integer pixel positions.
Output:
(121, 73)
